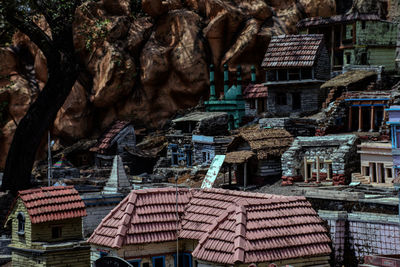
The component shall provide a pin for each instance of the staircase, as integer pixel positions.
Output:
(357, 177)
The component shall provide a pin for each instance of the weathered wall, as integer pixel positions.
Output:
(17, 240)
(97, 207)
(358, 234)
(70, 229)
(386, 31)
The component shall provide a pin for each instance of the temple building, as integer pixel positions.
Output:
(366, 109)
(231, 102)
(355, 39)
(376, 164)
(296, 66)
(320, 158)
(394, 122)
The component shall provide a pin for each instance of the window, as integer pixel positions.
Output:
(135, 263)
(56, 232)
(185, 260)
(252, 103)
(363, 25)
(321, 165)
(306, 73)
(158, 261)
(21, 223)
(389, 173)
(294, 74)
(204, 156)
(364, 59)
(348, 58)
(366, 171)
(280, 99)
(282, 75)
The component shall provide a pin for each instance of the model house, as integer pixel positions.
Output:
(216, 227)
(46, 227)
(296, 67)
(119, 137)
(352, 39)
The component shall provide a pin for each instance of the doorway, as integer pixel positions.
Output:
(296, 101)
(260, 105)
(373, 172)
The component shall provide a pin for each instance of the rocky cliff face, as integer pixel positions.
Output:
(146, 67)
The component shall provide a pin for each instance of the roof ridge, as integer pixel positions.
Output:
(126, 218)
(240, 231)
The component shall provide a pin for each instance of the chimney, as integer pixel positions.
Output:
(226, 79)
(253, 74)
(212, 83)
(239, 80)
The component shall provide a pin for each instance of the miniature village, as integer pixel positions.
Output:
(291, 161)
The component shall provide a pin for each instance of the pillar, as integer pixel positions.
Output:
(305, 170)
(253, 74)
(245, 175)
(359, 118)
(372, 119)
(230, 174)
(212, 83)
(350, 117)
(239, 80)
(317, 162)
(226, 79)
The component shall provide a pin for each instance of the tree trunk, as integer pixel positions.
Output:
(35, 124)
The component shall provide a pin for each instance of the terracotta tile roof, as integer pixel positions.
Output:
(292, 51)
(52, 203)
(106, 139)
(255, 91)
(144, 216)
(247, 227)
(315, 21)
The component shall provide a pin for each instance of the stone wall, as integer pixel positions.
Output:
(295, 126)
(311, 99)
(97, 207)
(355, 235)
(322, 66)
(340, 150)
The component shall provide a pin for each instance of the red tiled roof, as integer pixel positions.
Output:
(249, 227)
(231, 226)
(255, 91)
(292, 51)
(105, 141)
(315, 21)
(144, 216)
(52, 203)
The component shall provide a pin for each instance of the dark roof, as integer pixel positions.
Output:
(52, 203)
(106, 139)
(265, 142)
(288, 51)
(316, 21)
(350, 77)
(255, 91)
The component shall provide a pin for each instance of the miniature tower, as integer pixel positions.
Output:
(118, 181)
(239, 82)
(253, 74)
(226, 79)
(212, 83)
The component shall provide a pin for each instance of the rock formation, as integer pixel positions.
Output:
(145, 65)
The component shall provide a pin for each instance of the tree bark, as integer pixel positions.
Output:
(63, 70)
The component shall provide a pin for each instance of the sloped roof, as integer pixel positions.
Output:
(238, 156)
(245, 227)
(292, 51)
(255, 91)
(316, 21)
(264, 142)
(350, 77)
(52, 203)
(144, 216)
(231, 226)
(106, 139)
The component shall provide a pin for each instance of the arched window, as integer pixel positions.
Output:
(21, 223)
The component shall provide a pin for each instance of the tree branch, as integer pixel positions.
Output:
(37, 35)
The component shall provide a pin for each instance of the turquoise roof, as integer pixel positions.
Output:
(233, 93)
